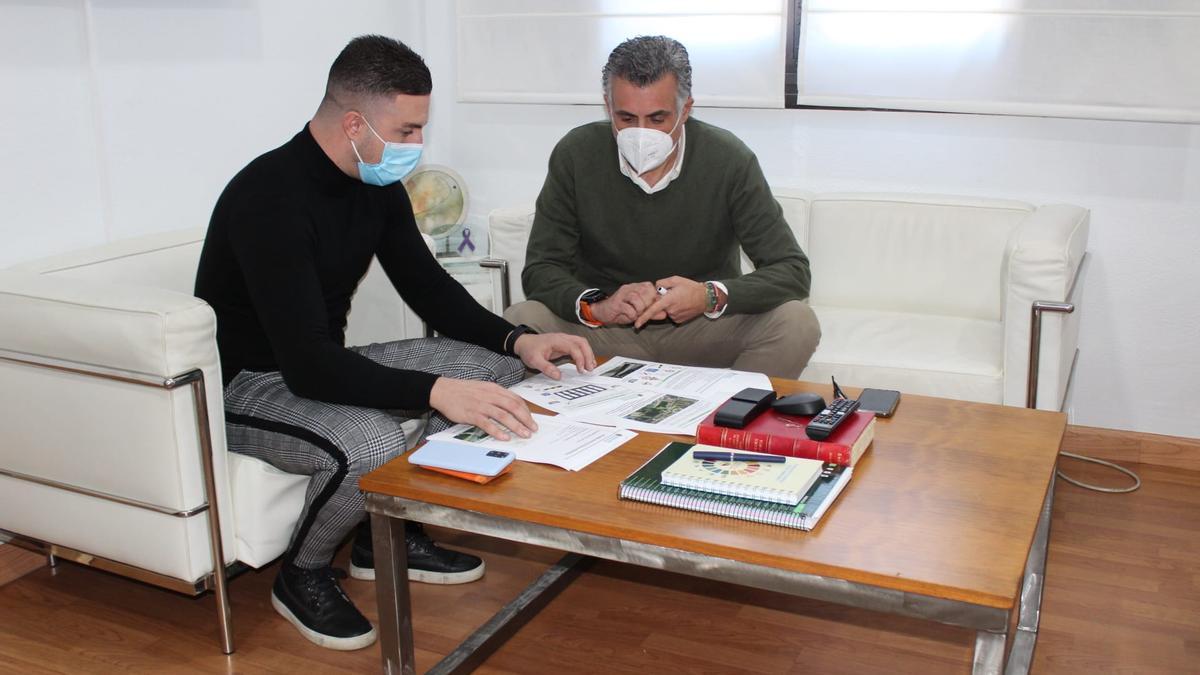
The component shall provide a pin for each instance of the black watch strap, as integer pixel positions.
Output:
(593, 296)
(510, 341)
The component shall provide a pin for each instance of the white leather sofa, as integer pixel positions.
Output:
(110, 399)
(927, 294)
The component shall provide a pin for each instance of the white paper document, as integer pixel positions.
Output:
(641, 395)
(569, 444)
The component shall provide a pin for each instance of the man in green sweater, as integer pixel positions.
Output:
(638, 226)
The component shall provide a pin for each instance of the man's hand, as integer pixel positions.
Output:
(624, 306)
(486, 405)
(537, 352)
(684, 300)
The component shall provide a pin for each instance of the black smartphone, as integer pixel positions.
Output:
(882, 402)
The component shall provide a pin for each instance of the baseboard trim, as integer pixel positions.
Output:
(1115, 445)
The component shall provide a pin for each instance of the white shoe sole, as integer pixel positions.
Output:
(364, 573)
(425, 577)
(327, 641)
(447, 578)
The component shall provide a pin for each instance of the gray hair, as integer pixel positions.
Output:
(646, 59)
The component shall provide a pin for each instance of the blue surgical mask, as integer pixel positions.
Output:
(397, 161)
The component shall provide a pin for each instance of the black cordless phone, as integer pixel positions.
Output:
(745, 405)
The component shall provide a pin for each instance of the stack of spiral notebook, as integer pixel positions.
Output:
(794, 493)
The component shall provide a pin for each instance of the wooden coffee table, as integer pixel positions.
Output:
(946, 519)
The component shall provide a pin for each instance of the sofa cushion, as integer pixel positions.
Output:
(266, 505)
(508, 235)
(167, 261)
(925, 354)
(895, 253)
(136, 328)
(796, 205)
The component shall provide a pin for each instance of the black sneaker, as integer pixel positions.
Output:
(362, 554)
(317, 607)
(427, 562)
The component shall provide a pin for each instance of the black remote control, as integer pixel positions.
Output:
(828, 419)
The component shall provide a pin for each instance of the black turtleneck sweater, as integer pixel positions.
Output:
(289, 240)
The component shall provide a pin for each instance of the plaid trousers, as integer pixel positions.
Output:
(336, 444)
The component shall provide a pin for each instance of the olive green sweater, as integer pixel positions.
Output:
(595, 229)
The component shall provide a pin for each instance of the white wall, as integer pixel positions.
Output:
(122, 117)
(1139, 366)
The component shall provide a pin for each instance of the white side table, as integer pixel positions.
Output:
(486, 279)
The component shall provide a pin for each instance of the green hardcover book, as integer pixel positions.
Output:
(645, 485)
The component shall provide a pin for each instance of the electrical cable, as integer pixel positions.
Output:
(1137, 482)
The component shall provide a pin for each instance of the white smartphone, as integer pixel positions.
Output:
(459, 457)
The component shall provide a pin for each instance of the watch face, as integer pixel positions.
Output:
(593, 296)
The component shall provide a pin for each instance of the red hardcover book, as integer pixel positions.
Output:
(778, 434)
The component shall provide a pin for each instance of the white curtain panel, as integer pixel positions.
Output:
(552, 51)
(1103, 59)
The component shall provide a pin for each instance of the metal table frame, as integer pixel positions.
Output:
(388, 514)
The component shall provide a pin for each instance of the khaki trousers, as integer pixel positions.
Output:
(778, 343)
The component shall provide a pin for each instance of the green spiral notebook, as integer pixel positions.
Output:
(645, 485)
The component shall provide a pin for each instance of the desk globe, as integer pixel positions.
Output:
(439, 201)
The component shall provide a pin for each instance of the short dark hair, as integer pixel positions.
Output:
(646, 59)
(374, 65)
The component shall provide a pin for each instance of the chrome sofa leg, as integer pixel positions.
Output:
(220, 583)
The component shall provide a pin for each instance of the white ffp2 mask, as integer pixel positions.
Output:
(645, 149)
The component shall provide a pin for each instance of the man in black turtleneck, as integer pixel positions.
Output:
(289, 240)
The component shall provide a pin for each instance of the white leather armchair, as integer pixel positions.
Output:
(927, 294)
(112, 436)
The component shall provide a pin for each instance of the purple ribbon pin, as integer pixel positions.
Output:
(466, 242)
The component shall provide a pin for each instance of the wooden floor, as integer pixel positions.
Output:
(16, 562)
(1122, 596)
